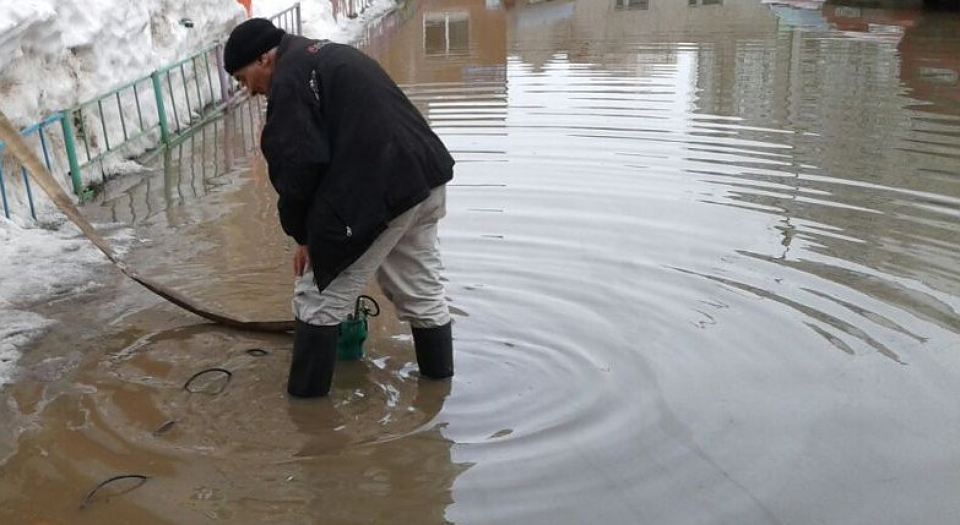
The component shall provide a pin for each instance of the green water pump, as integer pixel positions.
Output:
(353, 331)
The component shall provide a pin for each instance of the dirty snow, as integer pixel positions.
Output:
(38, 265)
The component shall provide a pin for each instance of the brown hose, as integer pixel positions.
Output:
(26, 157)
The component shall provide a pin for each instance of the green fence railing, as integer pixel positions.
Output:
(40, 135)
(156, 108)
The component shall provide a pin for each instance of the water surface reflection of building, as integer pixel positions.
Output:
(848, 96)
(448, 41)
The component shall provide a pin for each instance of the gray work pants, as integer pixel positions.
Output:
(406, 260)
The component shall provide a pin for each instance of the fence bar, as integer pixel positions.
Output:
(42, 124)
(123, 122)
(66, 122)
(196, 83)
(43, 148)
(83, 134)
(3, 193)
(173, 101)
(243, 134)
(253, 125)
(120, 88)
(136, 98)
(186, 95)
(26, 184)
(222, 73)
(206, 63)
(103, 123)
(161, 111)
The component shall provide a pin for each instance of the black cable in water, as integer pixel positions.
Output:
(89, 498)
(229, 374)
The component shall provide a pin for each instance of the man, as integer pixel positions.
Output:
(361, 183)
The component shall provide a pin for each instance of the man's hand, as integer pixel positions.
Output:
(300, 260)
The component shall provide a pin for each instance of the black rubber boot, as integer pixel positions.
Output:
(434, 348)
(314, 355)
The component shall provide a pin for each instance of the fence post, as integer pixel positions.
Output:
(3, 192)
(69, 142)
(161, 112)
(299, 21)
(26, 184)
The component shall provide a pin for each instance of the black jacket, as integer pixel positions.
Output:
(346, 150)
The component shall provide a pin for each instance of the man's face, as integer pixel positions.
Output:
(256, 76)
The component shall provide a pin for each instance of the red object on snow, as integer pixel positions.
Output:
(247, 6)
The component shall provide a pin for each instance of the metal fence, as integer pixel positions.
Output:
(158, 108)
(349, 8)
(289, 20)
(191, 167)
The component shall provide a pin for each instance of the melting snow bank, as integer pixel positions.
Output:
(318, 19)
(38, 265)
(55, 54)
(19, 327)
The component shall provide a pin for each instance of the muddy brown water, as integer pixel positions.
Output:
(704, 259)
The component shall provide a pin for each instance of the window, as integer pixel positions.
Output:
(446, 33)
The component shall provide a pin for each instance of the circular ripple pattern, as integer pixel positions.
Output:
(701, 276)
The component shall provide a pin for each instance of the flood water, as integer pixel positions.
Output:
(704, 263)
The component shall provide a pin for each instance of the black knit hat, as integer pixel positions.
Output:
(248, 41)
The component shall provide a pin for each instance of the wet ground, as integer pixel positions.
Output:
(705, 264)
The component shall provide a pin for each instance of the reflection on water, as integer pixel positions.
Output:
(704, 259)
(198, 164)
(203, 210)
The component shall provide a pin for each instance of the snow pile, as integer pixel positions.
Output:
(18, 328)
(55, 54)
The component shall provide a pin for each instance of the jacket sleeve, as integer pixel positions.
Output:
(295, 145)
